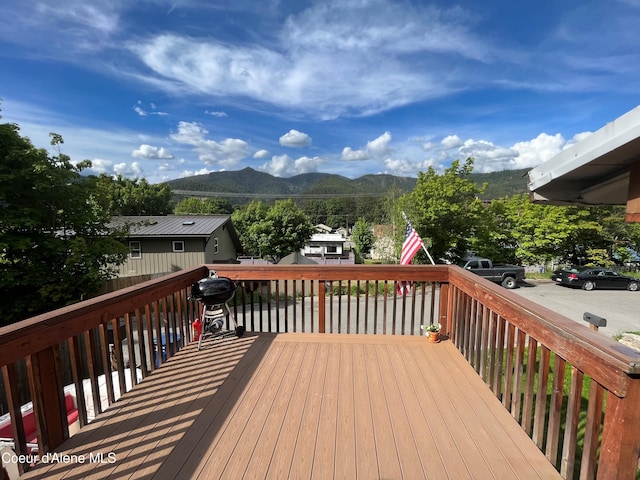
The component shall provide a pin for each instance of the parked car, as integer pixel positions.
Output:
(592, 278)
(506, 275)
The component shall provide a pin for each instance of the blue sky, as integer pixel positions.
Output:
(165, 89)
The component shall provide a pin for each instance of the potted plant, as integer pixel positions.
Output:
(432, 331)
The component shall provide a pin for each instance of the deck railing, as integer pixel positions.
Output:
(574, 391)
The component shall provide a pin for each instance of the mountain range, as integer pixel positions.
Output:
(253, 184)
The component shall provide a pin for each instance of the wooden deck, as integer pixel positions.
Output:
(306, 406)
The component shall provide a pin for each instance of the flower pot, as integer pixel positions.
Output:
(433, 336)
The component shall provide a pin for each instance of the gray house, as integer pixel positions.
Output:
(161, 244)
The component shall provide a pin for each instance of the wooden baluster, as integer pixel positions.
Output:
(321, 306)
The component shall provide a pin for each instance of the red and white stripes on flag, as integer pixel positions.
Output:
(412, 243)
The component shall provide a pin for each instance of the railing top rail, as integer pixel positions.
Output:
(37, 333)
(419, 273)
(585, 348)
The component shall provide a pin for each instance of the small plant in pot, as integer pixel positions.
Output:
(432, 331)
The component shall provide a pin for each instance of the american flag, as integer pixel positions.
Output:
(412, 243)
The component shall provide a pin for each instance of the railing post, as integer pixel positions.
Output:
(321, 306)
(444, 309)
(620, 440)
(47, 397)
(10, 378)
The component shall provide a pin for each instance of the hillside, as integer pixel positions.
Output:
(249, 183)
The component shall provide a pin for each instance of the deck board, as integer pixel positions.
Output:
(307, 406)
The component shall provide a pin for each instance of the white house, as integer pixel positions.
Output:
(325, 245)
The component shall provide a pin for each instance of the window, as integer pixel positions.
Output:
(134, 250)
(215, 245)
(178, 246)
(485, 263)
(332, 249)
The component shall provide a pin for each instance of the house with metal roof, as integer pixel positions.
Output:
(160, 244)
(601, 169)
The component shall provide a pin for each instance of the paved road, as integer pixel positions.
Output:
(620, 307)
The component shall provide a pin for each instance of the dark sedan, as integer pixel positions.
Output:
(592, 278)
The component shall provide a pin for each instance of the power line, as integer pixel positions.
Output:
(197, 193)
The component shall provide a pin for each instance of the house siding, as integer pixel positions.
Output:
(157, 234)
(158, 257)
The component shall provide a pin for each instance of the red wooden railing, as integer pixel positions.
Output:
(534, 360)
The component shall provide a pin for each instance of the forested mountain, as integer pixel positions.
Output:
(254, 183)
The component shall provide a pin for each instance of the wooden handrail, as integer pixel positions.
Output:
(37, 333)
(584, 348)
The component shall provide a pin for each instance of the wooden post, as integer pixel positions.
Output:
(633, 196)
(48, 399)
(445, 305)
(10, 377)
(620, 440)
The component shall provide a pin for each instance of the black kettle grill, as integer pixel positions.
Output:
(214, 293)
(213, 290)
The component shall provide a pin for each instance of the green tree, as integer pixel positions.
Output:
(124, 196)
(494, 236)
(362, 236)
(244, 219)
(284, 230)
(272, 232)
(54, 250)
(203, 206)
(445, 209)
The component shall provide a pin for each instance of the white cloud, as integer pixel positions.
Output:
(538, 150)
(279, 165)
(128, 169)
(147, 151)
(100, 166)
(143, 113)
(380, 146)
(375, 149)
(354, 155)
(191, 173)
(285, 166)
(451, 141)
(261, 154)
(489, 157)
(226, 153)
(389, 54)
(216, 114)
(308, 164)
(294, 138)
(428, 146)
(406, 168)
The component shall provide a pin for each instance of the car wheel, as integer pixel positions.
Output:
(509, 282)
(632, 286)
(588, 285)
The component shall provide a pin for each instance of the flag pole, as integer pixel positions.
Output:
(421, 242)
